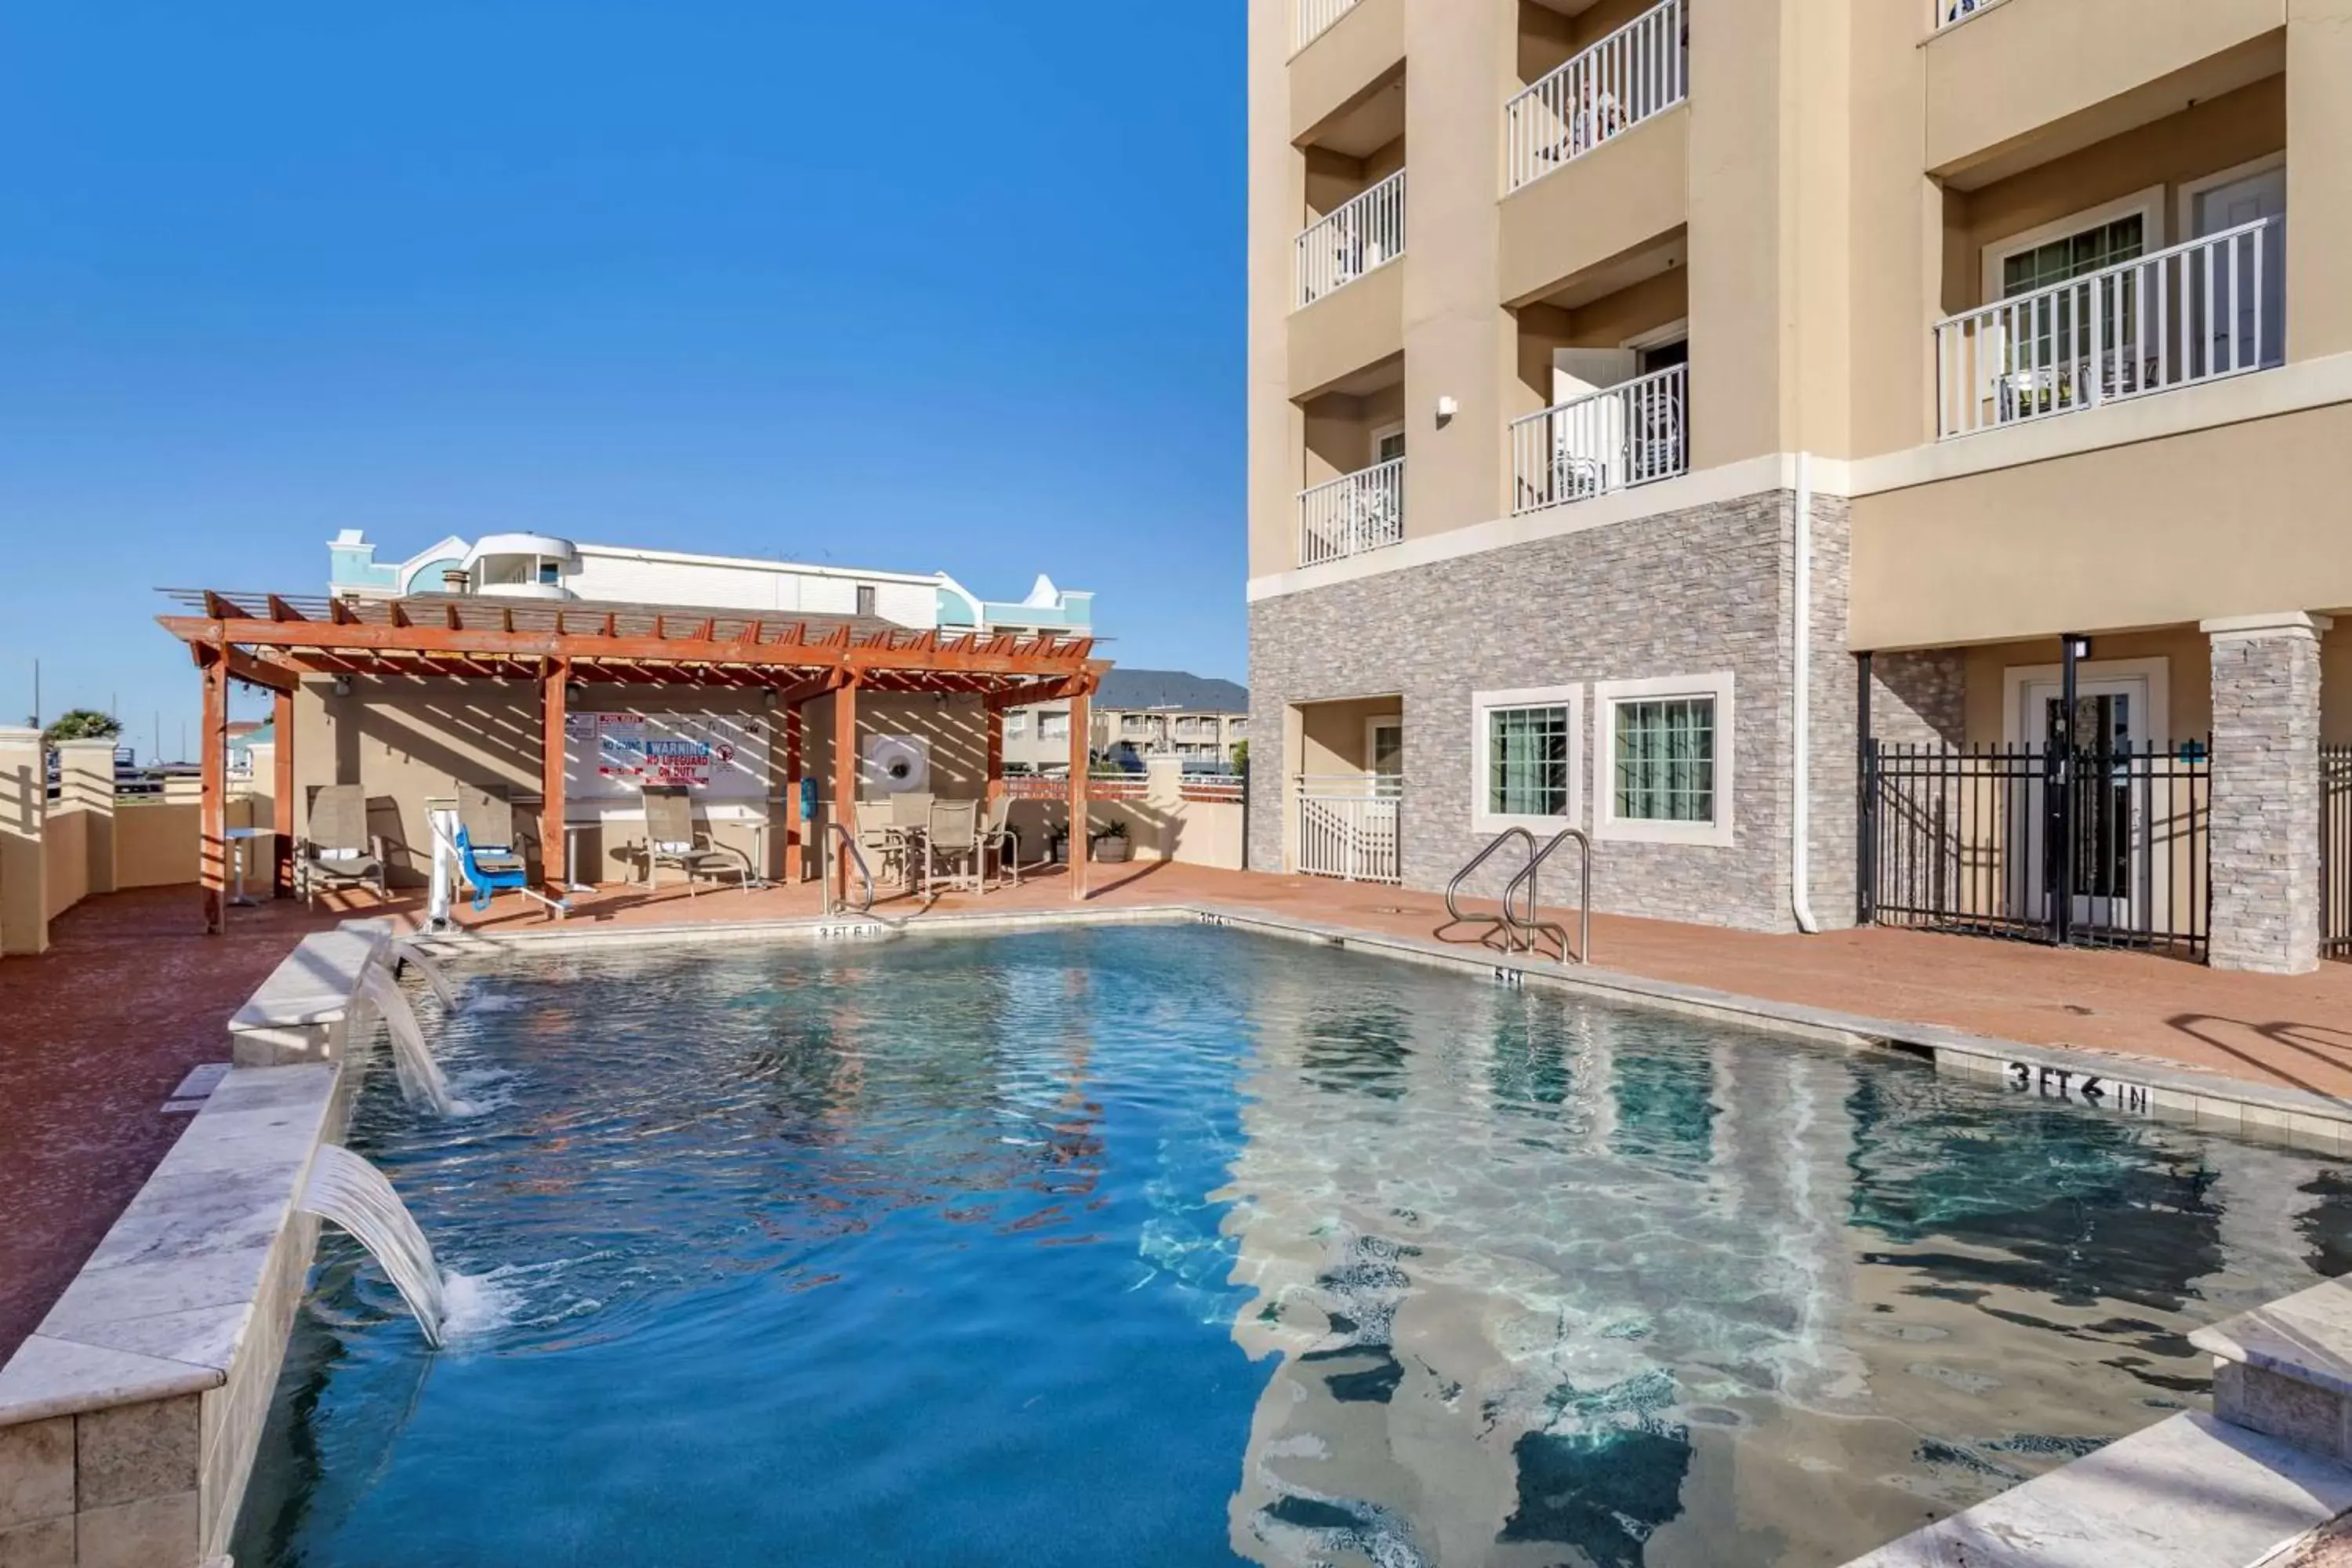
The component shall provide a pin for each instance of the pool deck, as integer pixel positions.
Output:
(95, 1034)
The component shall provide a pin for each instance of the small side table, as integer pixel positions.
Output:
(241, 836)
(759, 856)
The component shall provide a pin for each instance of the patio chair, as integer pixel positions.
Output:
(953, 840)
(672, 839)
(881, 840)
(997, 839)
(486, 846)
(338, 851)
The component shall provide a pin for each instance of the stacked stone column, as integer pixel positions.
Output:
(2266, 793)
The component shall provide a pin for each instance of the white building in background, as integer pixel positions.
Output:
(528, 565)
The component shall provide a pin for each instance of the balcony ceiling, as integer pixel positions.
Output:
(1621, 272)
(1568, 7)
(1366, 122)
(1375, 377)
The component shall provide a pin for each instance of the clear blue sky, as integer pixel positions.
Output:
(926, 284)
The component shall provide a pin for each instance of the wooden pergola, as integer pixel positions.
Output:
(272, 641)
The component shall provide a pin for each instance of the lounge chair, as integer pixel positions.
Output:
(486, 847)
(952, 839)
(997, 839)
(338, 851)
(672, 839)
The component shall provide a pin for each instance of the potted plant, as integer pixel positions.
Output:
(1112, 844)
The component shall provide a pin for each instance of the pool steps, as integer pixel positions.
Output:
(129, 1421)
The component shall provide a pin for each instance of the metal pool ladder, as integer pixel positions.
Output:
(864, 876)
(1521, 935)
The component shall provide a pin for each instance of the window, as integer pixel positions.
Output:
(1526, 748)
(1388, 444)
(550, 573)
(2101, 244)
(1665, 759)
(865, 597)
(1054, 726)
(1016, 725)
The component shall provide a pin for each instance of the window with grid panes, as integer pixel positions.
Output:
(1528, 761)
(1664, 765)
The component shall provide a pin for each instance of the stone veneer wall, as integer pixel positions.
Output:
(1682, 594)
(2267, 785)
(1919, 699)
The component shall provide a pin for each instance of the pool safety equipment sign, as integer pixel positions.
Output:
(2078, 1088)
(719, 757)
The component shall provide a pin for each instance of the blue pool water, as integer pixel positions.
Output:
(1176, 1246)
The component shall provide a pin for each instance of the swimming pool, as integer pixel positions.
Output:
(1179, 1245)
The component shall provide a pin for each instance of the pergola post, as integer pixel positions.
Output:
(212, 805)
(1081, 737)
(795, 731)
(554, 696)
(282, 794)
(992, 783)
(844, 785)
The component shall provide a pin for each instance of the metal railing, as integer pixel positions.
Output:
(2103, 845)
(2335, 851)
(1641, 70)
(1351, 514)
(1612, 439)
(2214, 306)
(1316, 18)
(1535, 925)
(833, 906)
(1361, 234)
(1348, 828)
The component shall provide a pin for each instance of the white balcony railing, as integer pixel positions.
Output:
(1619, 436)
(1351, 514)
(1952, 13)
(1316, 18)
(2212, 308)
(1348, 828)
(1641, 70)
(1361, 234)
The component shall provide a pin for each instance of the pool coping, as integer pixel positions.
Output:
(216, 1221)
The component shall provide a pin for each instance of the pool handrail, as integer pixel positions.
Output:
(865, 875)
(1535, 925)
(1453, 889)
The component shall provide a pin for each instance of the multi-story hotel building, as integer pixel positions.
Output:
(1850, 457)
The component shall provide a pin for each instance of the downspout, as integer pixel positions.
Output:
(1800, 707)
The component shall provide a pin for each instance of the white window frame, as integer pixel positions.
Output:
(1381, 433)
(2148, 204)
(2192, 189)
(1720, 834)
(1016, 725)
(1658, 337)
(1046, 720)
(2157, 671)
(1482, 703)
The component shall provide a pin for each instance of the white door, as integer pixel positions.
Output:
(2256, 196)
(1589, 441)
(2111, 719)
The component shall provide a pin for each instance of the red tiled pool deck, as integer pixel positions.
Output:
(95, 1034)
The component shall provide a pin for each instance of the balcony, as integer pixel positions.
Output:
(1316, 18)
(2213, 307)
(1352, 514)
(1635, 433)
(1361, 236)
(1640, 70)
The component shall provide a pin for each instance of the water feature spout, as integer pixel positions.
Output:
(421, 1077)
(347, 1191)
(410, 954)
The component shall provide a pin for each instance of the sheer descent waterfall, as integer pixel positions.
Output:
(347, 1191)
(421, 1077)
(408, 952)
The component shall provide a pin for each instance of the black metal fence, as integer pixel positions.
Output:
(2107, 846)
(2335, 851)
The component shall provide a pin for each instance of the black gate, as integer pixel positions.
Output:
(2335, 851)
(2100, 845)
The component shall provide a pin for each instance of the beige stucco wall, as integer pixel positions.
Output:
(2240, 519)
(1624, 195)
(65, 846)
(1342, 64)
(1332, 734)
(155, 846)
